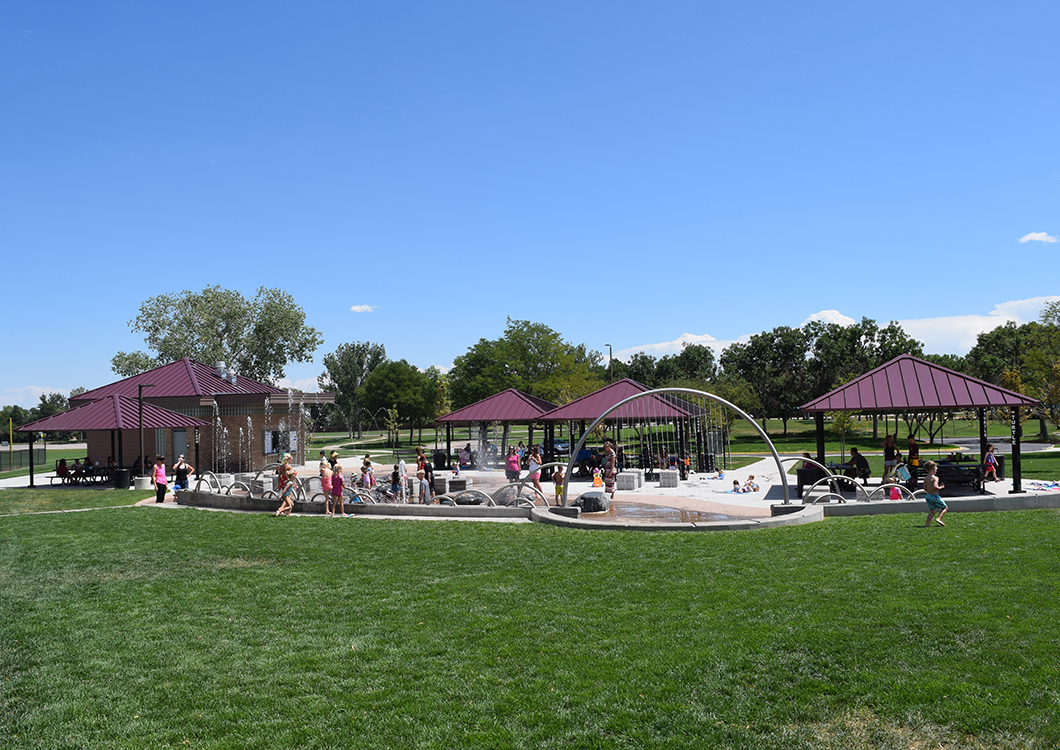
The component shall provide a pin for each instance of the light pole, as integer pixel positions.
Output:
(140, 399)
(610, 363)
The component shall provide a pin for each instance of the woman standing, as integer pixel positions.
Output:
(158, 478)
(511, 465)
(609, 469)
(890, 457)
(182, 469)
(535, 468)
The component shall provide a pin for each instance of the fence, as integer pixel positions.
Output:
(19, 459)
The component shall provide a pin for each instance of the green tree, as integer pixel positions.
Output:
(529, 356)
(641, 368)
(345, 371)
(398, 385)
(840, 353)
(259, 337)
(773, 363)
(1001, 349)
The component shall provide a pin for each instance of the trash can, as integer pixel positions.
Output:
(122, 479)
(440, 460)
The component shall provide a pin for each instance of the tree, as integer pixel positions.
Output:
(345, 371)
(840, 353)
(641, 368)
(999, 350)
(774, 364)
(529, 356)
(258, 337)
(398, 385)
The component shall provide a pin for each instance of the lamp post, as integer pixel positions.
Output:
(610, 363)
(140, 400)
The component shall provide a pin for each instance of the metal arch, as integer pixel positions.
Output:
(239, 484)
(472, 491)
(691, 391)
(521, 484)
(363, 496)
(904, 490)
(211, 481)
(828, 472)
(836, 478)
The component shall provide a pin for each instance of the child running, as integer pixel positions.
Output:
(932, 485)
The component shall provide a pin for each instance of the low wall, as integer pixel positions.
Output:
(796, 515)
(972, 504)
(791, 515)
(411, 510)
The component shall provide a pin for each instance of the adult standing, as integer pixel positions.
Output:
(609, 468)
(890, 457)
(534, 466)
(182, 469)
(158, 478)
(913, 453)
(511, 465)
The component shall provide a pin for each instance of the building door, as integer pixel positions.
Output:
(180, 443)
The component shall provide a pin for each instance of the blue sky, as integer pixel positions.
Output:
(638, 174)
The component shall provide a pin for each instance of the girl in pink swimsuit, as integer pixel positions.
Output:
(325, 485)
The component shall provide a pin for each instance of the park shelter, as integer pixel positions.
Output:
(688, 423)
(248, 423)
(114, 420)
(910, 384)
(507, 407)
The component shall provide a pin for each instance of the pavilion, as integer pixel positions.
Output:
(236, 423)
(507, 407)
(116, 417)
(910, 384)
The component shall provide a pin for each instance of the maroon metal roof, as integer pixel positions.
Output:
(907, 383)
(185, 377)
(112, 413)
(591, 406)
(507, 406)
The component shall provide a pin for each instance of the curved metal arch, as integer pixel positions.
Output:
(836, 478)
(521, 484)
(472, 491)
(904, 490)
(692, 392)
(239, 484)
(211, 481)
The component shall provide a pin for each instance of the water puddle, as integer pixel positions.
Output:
(624, 510)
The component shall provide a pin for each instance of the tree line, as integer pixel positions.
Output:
(769, 375)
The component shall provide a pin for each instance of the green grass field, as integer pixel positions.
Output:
(148, 627)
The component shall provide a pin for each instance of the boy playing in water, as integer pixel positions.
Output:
(932, 485)
(557, 479)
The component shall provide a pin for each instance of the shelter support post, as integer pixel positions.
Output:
(1017, 432)
(12, 438)
(448, 441)
(981, 413)
(819, 423)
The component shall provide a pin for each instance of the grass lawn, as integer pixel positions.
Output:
(66, 498)
(54, 454)
(148, 627)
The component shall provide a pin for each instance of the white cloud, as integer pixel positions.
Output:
(28, 396)
(1037, 237)
(363, 308)
(954, 334)
(829, 316)
(306, 385)
(675, 346)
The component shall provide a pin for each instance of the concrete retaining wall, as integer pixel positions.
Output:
(974, 504)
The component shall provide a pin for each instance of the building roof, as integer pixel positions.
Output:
(907, 383)
(112, 413)
(507, 406)
(591, 406)
(183, 378)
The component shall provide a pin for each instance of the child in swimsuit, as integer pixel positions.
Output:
(932, 485)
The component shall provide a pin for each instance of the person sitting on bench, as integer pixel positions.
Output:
(860, 467)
